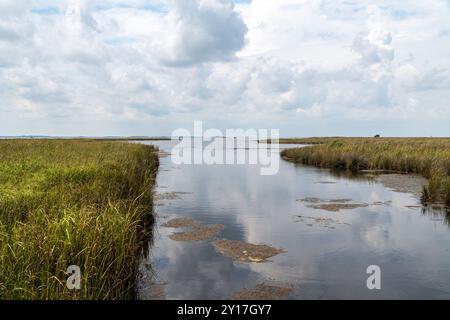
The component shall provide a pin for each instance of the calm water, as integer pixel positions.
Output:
(411, 246)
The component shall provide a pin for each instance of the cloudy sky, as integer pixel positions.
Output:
(147, 67)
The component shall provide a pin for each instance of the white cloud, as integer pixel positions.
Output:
(202, 31)
(138, 66)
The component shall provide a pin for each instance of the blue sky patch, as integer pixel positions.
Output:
(46, 10)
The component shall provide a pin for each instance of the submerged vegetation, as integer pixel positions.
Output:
(429, 157)
(73, 202)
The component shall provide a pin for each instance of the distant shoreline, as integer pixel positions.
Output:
(85, 138)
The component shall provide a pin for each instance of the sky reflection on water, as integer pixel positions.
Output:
(410, 245)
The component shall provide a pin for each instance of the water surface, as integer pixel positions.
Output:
(411, 245)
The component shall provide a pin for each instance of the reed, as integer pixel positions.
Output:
(429, 157)
(72, 202)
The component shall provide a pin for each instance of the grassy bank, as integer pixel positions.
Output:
(300, 140)
(69, 202)
(429, 157)
(132, 139)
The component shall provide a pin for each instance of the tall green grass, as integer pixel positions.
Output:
(69, 202)
(429, 157)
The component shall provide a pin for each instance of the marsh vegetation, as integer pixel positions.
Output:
(429, 157)
(73, 202)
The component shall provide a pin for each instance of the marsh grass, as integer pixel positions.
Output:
(429, 157)
(69, 202)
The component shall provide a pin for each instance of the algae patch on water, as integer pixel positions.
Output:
(406, 183)
(246, 252)
(333, 205)
(263, 292)
(198, 233)
(318, 200)
(181, 223)
(321, 221)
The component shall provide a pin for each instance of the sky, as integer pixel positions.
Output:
(148, 67)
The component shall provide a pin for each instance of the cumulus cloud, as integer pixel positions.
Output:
(202, 31)
(147, 67)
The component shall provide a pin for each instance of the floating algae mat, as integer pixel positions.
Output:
(247, 252)
(406, 183)
(324, 222)
(382, 203)
(198, 233)
(333, 205)
(263, 292)
(318, 200)
(181, 223)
